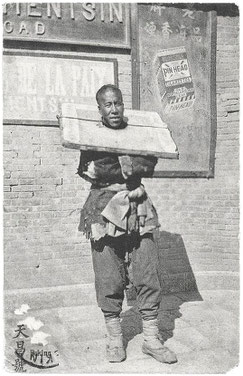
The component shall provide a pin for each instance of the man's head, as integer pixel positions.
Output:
(110, 104)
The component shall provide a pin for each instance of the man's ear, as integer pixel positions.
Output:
(99, 110)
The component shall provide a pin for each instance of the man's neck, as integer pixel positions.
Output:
(121, 126)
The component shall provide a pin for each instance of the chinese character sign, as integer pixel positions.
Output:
(176, 50)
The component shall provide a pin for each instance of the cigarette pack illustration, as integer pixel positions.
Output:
(174, 79)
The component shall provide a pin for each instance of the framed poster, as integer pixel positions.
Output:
(174, 64)
(34, 84)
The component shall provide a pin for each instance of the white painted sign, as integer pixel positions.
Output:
(34, 86)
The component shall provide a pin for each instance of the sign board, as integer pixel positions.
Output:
(34, 85)
(176, 49)
(98, 24)
(145, 133)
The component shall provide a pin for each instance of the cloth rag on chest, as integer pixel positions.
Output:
(124, 216)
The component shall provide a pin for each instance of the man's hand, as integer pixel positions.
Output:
(91, 170)
(137, 193)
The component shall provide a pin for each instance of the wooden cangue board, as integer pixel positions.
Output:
(146, 133)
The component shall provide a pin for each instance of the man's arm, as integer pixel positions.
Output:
(111, 168)
(137, 166)
(100, 167)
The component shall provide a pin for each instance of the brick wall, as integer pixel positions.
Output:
(43, 196)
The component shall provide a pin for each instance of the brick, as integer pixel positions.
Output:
(44, 193)
(26, 188)
(7, 174)
(27, 181)
(49, 173)
(228, 85)
(10, 223)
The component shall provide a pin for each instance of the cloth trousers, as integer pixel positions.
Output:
(108, 256)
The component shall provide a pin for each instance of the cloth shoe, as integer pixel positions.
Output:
(115, 351)
(152, 345)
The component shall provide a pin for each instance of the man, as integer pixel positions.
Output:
(119, 219)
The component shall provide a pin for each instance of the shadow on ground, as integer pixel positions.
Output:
(178, 286)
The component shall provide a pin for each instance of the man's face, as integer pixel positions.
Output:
(111, 108)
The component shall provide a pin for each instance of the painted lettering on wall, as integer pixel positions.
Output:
(170, 29)
(82, 20)
(109, 12)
